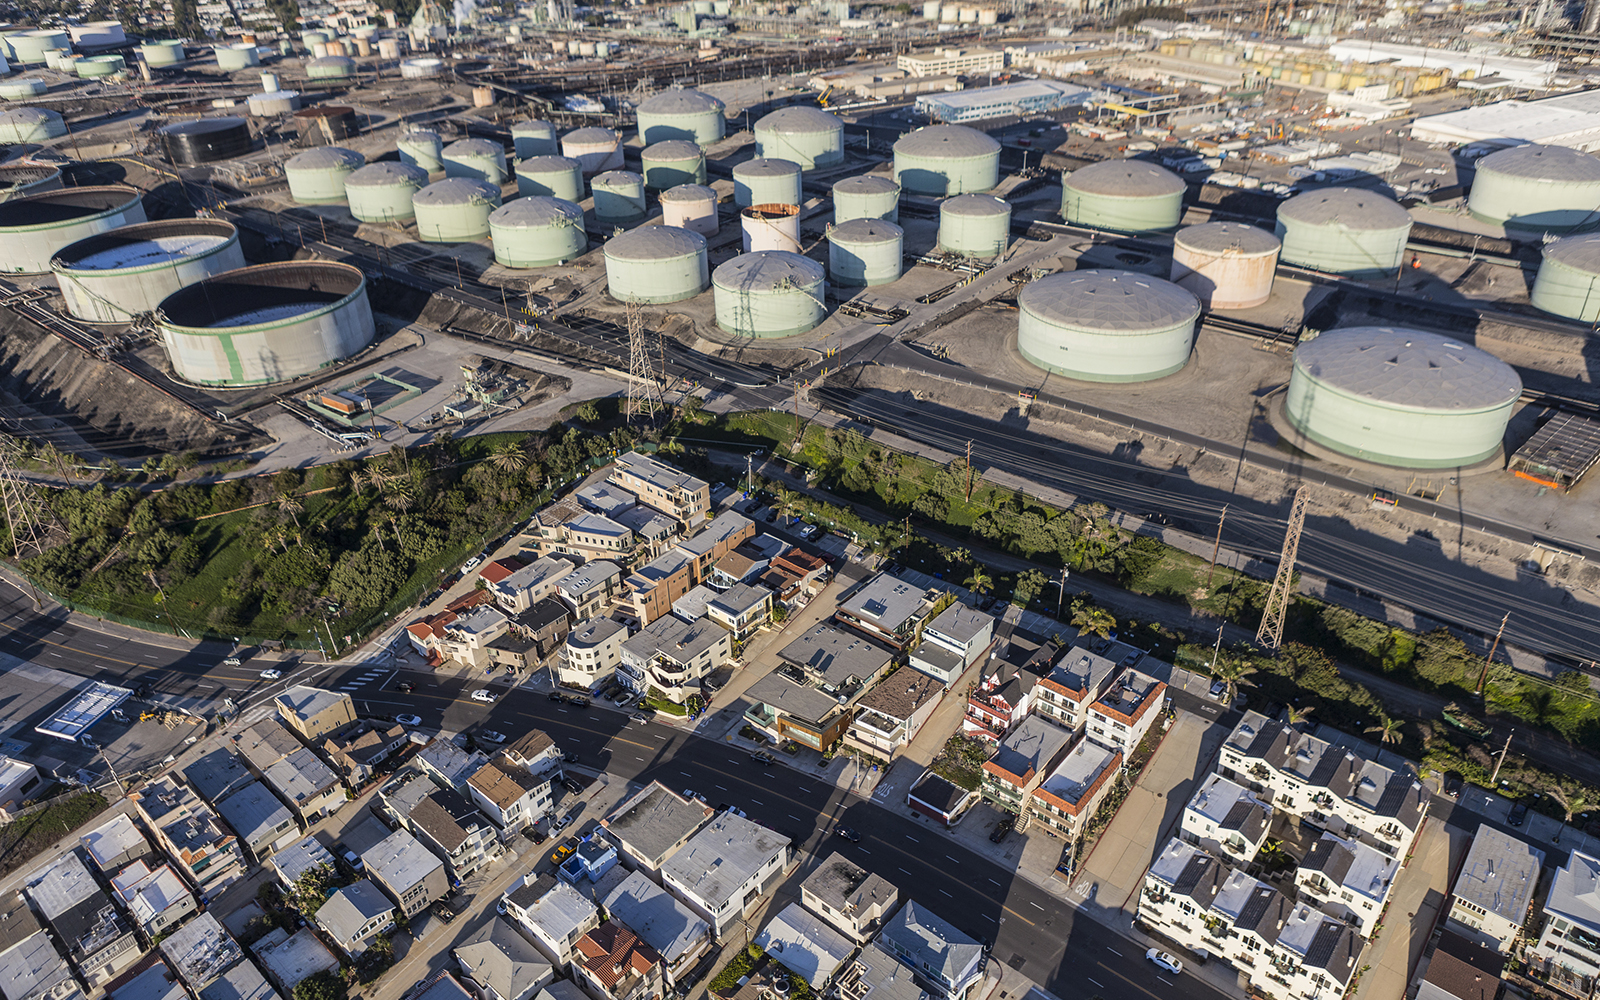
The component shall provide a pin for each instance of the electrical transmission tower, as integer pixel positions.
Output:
(1270, 634)
(22, 509)
(644, 389)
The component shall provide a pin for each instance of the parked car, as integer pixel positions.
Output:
(848, 834)
(577, 701)
(409, 720)
(500, 906)
(492, 736)
(352, 859)
(561, 853)
(642, 717)
(561, 824)
(472, 564)
(1165, 960)
(810, 531)
(763, 758)
(557, 696)
(271, 675)
(1219, 690)
(1001, 829)
(692, 795)
(483, 694)
(623, 698)
(572, 785)
(570, 758)
(1519, 813)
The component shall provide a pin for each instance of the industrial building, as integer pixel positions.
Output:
(1030, 98)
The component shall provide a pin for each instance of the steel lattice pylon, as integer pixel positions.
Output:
(1270, 634)
(21, 517)
(644, 389)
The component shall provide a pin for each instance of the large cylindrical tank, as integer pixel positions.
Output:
(236, 57)
(618, 198)
(420, 69)
(864, 252)
(205, 140)
(21, 181)
(943, 160)
(30, 46)
(866, 197)
(317, 176)
(277, 102)
(1345, 231)
(672, 162)
(98, 34)
(30, 125)
(1550, 188)
(534, 138)
(382, 192)
(598, 149)
(92, 67)
(766, 182)
(656, 264)
(810, 137)
(1226, 265)
(33, 228)
(770, 294)
(166, 52)
(478, 159)
(455, 210)
(974, 225)
(1400, 397)
(537, 232)
(22, 90)
(692, 207)
(422, 148)
(267, 323)
(331, 68)
(1106, 326)
(681, 114)
(1125, 196)
(553, 176)
(770, 227)
(124, 273)
(1569, 278)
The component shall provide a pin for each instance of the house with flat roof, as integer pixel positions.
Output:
(115, 844)
(191, 834)
(217, 775)
(679, 936)
(292, 958)
(946, 962)
(957, 638)
(655, 586)
(673, 656)
(805, 944)
(784, 709)
(725, 869)
(874, 974)
(454, 829)
(500, 964)
(264, 824)
(510, 795)
(531, 584)
(553, 914)
(839, 662)
(201, 950)
(589, 589)
(155, 899)
(308, 785)
(1005, 689)
(852, 899)
(652, 824)
(939, 799)
(465, 636)
(410, 873)
(593, 654)
(264, 744)
(448, 765)
(359, 748)
(889, 716)
(1126, 710)
(1568, 951)
(1072, 684)
(30, 966)
(156, 981)
(313, 712)
(887, 608)
(354, 917)
(741, 609)
(614, 964)
(1494, 889)
(661, 486)
(239, 981)
(1033, 750)
(605, 498)
(299, 858)
(1065, 801)
(96, 938)
(1226, 818)
(1348, 879)
(565, 527)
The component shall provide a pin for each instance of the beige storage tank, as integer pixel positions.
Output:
(771, 227)
(692, 207)
(1226, 265)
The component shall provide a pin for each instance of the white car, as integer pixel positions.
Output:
(472, 564)
(483, 694)
(500, 907)
(490, 736)
(409, 720)
(271, 675)
(1165, 960)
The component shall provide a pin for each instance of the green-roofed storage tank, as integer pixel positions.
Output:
(866, 197)
(455, 210)
(537, 232)
(810, 137)
(656, 264)
(1124, 196)
(944, 160)
(317, 176)
(771, 293)
(672, 162)
(1106, 325)
(552, 176)
(681, 114)
(382, 192)
(1345, 231)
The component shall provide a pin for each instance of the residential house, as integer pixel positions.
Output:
(358, 749)
(589, 863)
(84, 920)
(653, 531)
(156, 900)
(18, 780)
(956, 639)
(889, 716)
(202, 950)
(307, 784)
(1033, 750)
(1348, 879)
(796, 576)
(652, 825)
(590, 589)
(313, 712)
(1489, 903)
(239, 981)
(663, 580)
(745, 563)
(806, 945)
(218, 775)
(1065, 801)
(1568, 950)
(190, 833)
(449, 765)
(785, 710)
(514, 651)
(290, 959)
(679, 936)
(299, 858)
(264, 744)
(741, 609)
(30, 966)
(563, 989)
(725, 869)
(879, 975)
(887, 608)
(1226, 818)
(355, 916)
(692, 606)
(463, 636)
(512, 797)
(662, 487)
(593, 654)
(498, 570)
(554, 914)
(672, 656)
(1076, 681)
(263, 824)
(605, 498)
(1326, 786)
(947, 963)
(838, 662)
(1126, 711)
(1321, 955)
(1461, 970)
(410, 873)
(613, 964)
(534, 750)
(546, 624)
(940, 799)
(455, 830)
(500, 964)
(115, 844)
(1179, 888)
(1004, 692)
(440, 986)
(855, 901)
(156, 981)
(566, 528)
(529, 585)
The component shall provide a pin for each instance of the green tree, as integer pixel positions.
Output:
(510, 457)
(1029, 584)
(1091, 620)
(1573, 800)
(980, 582)
(589, 413)
(1389, 730)
(324, 985)
(1232, 671)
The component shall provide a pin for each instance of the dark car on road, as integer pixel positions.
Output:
(848, 834)
(1001, 829)
(405, 687)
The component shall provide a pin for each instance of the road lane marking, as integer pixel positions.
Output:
(756, 801)
(996, 883)
(864, 850)
(1098, 986)
(1032, 903)
(1125, 979)
(908, 873)
(102, 645)
(913, 840)
(952, 859)
(797, 819)
(720, 788)
(1115, 952)
(947, 894)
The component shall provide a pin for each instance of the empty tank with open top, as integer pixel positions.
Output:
(124, 273)
(33, 228)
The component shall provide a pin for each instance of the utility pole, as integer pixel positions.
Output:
(1062, 599)
(1270, 634)
(749, 472)
(1501, 762)
(644, 392)
(1216, 650)
(969, 471)
(797, 410)
(1483, 675)
(1216, 548)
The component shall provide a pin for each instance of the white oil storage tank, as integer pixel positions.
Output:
(618, 198)
(974, 225)
(317, 176)
(1568, 283)
(1400, 397)
(598, 149)
(19, 181)
(552, 176)
(22, 90)
(124, 273)
(165, 52)
(331, 68)
(537, 232)
(656, 264)
(534, 138)
(1226, 265)
(30, 46)
(943, 160)
(770, 294)
(19, 125)
(478, 159)
(1345, 231)
(267, 323)
(422, 148)
(1550, 188)
(810, 137)
(455, 210)
(420, 69)
(1123, 196)
(771, 227)
(277, 102)
(864, 252)
(866, 197)
(681, 114)
(672, 162)
(382, 192)
(766, 182)
(1106, 325)
(692, 207)
(231, 58)
(33, 228)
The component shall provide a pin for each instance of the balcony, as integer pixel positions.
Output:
(761, 715)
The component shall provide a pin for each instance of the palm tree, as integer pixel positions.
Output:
(1388, 730)
(291, 505)
(1297, 714)
(509, 457)
(400, 500)
(1579, 799)
(980, 582)
(1234, 672)
(786, 501)
(1094, 621)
